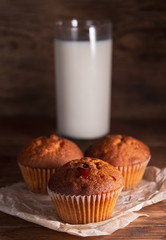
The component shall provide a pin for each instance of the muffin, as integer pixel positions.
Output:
(127, 154)
(85, 190)
(41, 156)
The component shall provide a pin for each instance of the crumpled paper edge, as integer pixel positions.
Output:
(156, 179)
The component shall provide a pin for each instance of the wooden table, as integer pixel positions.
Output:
(14, 132)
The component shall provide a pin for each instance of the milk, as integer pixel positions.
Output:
(83, 88)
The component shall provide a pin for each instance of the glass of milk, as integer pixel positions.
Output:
(83, 59)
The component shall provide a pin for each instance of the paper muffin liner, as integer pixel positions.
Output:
(84, 209)
(36, 179)
(132, 174)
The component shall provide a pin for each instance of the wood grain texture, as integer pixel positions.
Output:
(17, 131)
(27, 61)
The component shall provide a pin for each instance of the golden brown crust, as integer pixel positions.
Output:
(119, 150)
(51, 152)
(101, 178)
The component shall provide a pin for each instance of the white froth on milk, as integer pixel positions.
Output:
(83, 88)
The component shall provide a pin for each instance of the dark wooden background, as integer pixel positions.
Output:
(27, 98)
(27, 61)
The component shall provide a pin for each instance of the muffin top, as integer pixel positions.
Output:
(51, 152)
(86, 176)
(119, 150)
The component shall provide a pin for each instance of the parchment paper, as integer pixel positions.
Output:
(18, 201)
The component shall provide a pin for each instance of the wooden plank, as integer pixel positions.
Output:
(15, 132)
(27, 61)
(152, 227)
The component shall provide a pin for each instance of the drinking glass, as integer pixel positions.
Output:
(83, 60)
